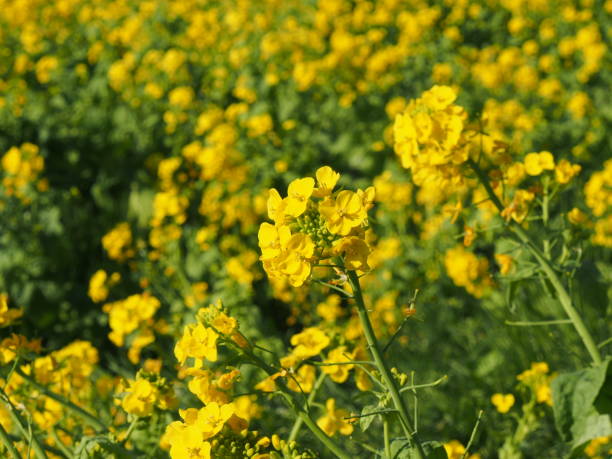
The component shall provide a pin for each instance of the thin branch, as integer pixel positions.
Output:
(538, 323)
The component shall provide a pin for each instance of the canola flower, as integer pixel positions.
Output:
(312, 224)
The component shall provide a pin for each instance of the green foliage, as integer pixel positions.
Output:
(582, 403)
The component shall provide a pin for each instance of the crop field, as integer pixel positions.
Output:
(299, 229)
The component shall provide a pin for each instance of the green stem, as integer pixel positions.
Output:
(423, 386)
(295, 430)
(376, 352)
(29, 437)
(545, 201)
(130, 430)
(473, 435)
(546, 266)
(386, 438)
(95, 423)
(8, 444)
(66, 452)
(538, 323)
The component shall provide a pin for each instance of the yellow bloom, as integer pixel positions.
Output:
(344, 213)
(355, 252)
(98, 291)
(536, 163)
(577, 217)
(334, 421)
(198, 342)
(544, 393)
(272, 239)
(187, 443)
(566, 171)
(503, 402)
(505, 262)
(7, 316)
(294, 260)
(309, 342)
(276, 206)
(141, 398)
(519, 206)
(439, 97)
(297, 196)
(326, 181)
(338, 373)
(213, 417)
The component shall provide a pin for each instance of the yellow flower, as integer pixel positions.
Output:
(326, 181)
(294, 260)
(297, 196)
(199, 342)
(566, 171)
(344, 213)
(338, 373)
(213, 417)
(301, 380)
(141, 398)
(309, 342)
(439, 97)
(544, 393)
(272, 239)
(505, 262)
(503, 402)
(334, 421)
(7, 316)
(355, 252)
(577, 217)
(455, 450)
(224, 323)
(536, 163)
(276, 206)
(188, 443)
(519, 206)
(98, 291)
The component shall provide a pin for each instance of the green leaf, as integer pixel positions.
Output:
(366, 420)
(581, 404)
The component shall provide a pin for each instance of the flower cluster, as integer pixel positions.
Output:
(468, 270)
(134, 313)
(538, 379)
(598, 193)
(148, 391)
(21, 167)
(431, 138)
(313, 224)
(201, 432)
(8, 315)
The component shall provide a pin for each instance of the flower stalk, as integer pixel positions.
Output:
(547, 268)
(389, 381)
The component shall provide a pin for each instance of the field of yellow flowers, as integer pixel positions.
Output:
(276, 229)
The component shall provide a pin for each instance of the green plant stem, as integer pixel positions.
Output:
(538, 323)
(546, 266)
(66, 452)
(89, 418)
(29, 437)
(295, 430)
(386, 438)
(376, 352)
(130, 430)
(473, 435)
(51, 449)
(423, 386)
(8, 444)
(605, 342)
